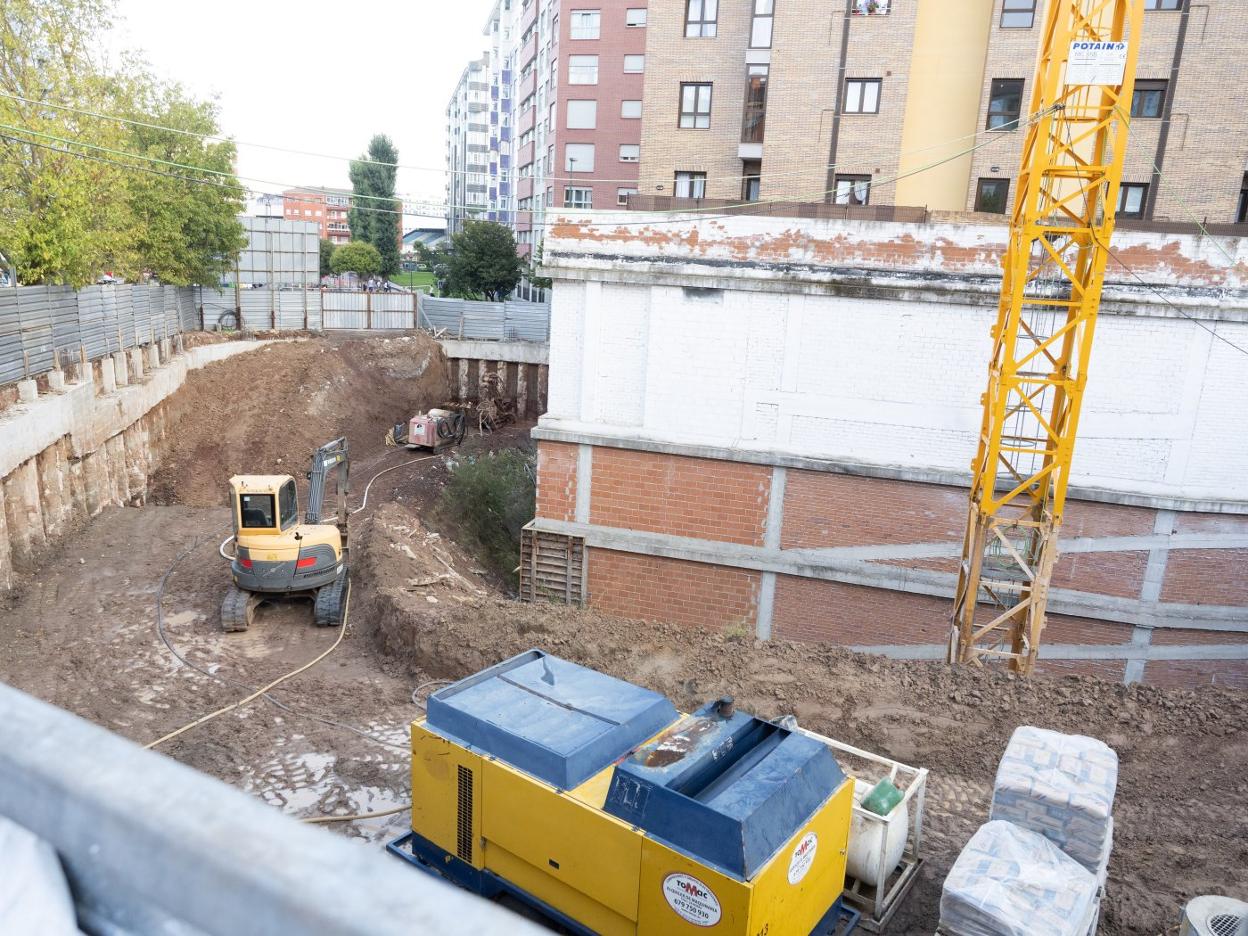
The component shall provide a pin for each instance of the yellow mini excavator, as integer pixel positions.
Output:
(277, 556)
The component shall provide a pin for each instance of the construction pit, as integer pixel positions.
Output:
(116, 619)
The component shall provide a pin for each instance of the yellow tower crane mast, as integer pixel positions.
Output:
(1063, 217)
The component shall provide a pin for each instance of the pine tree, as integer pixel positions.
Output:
(376, 215)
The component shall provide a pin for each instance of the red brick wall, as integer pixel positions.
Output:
(698, 497)
(1063, 629)
(1207, 576)
(556, 480)
(1187, 674)
(854, 615)
(656, 588)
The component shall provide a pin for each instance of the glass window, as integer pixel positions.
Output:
(578, 157)
(700, 18)
(634, 64)
(1149, 98)
(695, 106)
(582, 69)
(992, 195)
(577, 197)
(751, 179)
(288, 503)
(760, 26)
(1005, 102)
(870, 7)
(621, 195)
(635, 17)
(691, 185)
(1131, 199)
(256, 511)
(1241, 216)
(1163, 4)
(1018, 14)
(630, 109)
(582, 115)
(853, 189)
(584, 24)
(754, 122)
(630, 152)
(862, 95)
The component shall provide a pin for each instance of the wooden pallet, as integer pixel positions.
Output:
(552, 567)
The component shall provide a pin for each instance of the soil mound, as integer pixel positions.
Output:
(1180, 816)
(267, 410)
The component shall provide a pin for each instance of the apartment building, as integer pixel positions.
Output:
(468, 146)
(912, 102)
(564, 81)
(328, 207)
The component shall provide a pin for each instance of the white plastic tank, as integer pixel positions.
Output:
(868, 837)
(1214, 916)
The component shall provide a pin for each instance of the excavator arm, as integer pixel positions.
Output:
(330, 456)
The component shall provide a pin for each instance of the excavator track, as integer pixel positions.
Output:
(328, 606)
(238, 610)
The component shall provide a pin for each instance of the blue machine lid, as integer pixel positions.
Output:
(727, 789)
(553, 719)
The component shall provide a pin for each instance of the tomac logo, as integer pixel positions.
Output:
(692, 900)
(803, 857)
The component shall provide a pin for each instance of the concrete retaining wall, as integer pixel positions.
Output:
(88, 439)
(521, 366)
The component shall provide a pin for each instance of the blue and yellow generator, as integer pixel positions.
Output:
(597, 803)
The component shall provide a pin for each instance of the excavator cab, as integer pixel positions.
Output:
(276, 555)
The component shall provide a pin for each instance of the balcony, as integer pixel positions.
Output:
(525, 156)
(525, 124)
(528, 17)
(524, 187)
(528, 51)
(528, 85)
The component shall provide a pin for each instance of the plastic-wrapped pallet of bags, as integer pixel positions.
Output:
(34, 897)
(1061, 786)
(1011, 882)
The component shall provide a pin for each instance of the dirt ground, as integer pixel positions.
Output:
(86, 634)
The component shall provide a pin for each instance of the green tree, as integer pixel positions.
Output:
(356, 257)
(73, 202)
(327, 251)
(480, 262)
(376, 215)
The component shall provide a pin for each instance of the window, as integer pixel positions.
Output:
(690, 185)
(870, 7)
(634, 64)
(695, 106)
(630, 109)
(760, 26)
(1163, 4)
(751, 179)
(700, 17)
(992, 195)
(1131, 199)
(1149, 98)
(1241, 215)
(584, 24)
(288, 503)
(578, 197)
(862, 96)
(635, 17)
(582, 115)
(1005, 101)
(1018, 14)
(754, 121)
(630, 152)
(256, 511)
(853, 189)
(578, 157)
(621, 195)
(582, 69)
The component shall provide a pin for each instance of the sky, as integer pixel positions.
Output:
(316, 76)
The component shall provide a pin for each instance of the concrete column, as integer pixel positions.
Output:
(6, 557)
(56, 381)
(153, 356)
(1150, 592)
(23, 512)
(27, 391)
(97, 485)
(522, 390)
(54, 494)
(119, 489)
(542, 373)
(136, 446)
(463, 380)
(771, 540)
(136, 364)
(78, 489)
(121, 371)
(108, 378)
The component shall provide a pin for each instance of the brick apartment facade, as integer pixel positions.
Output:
(765, 428)
(815, 100)
(328, 207)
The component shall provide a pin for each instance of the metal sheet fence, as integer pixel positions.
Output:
(41, 325)
(498, 321)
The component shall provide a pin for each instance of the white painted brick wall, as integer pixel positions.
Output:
(890, 382)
